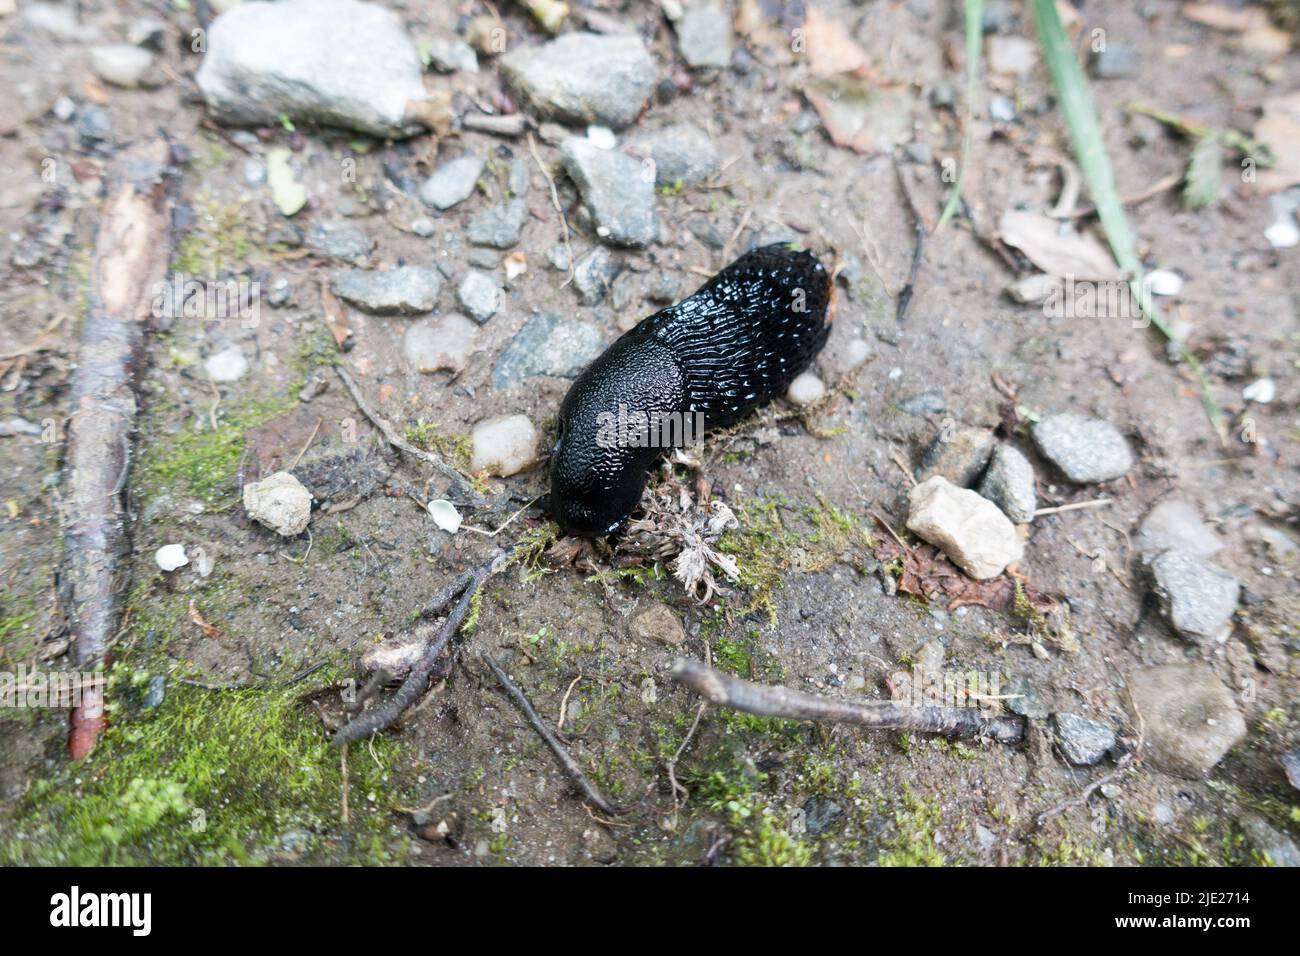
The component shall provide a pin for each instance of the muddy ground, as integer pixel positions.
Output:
(220, 775)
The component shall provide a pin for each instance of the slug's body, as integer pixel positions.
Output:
(711, 359)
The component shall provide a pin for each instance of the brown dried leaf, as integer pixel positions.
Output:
(201, 622)
(1056, 248)
(829, 47)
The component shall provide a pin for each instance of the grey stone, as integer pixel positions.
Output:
(1087, 450)
(57, 21)
(336, 62)
(406, 290)
(594, 274)
(1190, 719)
(1009, 484)
(820, 814)
(682, 153)
(923, 404)
(499, 226)
(943, 96)
(1116, 61)
(449, 56)
(704, 37)
(483, 258)
(1196, 598)
(1084, 742)
(94, 125)
(620, 197)
(1275, 847)
(452, 182)
(558, 257)
(1002, 109)
(339, 239)
(706, 230)
(958, 453)
(1176, 524)
(548, 344)
(424, 227)
(148, 32)
(1024, 700)
(583, 78)
(480, 295)
(157, 692)
(446, 343)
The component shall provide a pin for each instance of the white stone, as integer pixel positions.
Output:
(971, 530)
(443, 344)
(503, 446)
(806, 389)
(171, 556)
(1163, 282)
(1262, 391)
(602, 137)
(122, 64)
(228, 365)
(281, 502)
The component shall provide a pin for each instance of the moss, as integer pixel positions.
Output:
(221, 238)
(425, 435)
(208, 777)
(913, 840)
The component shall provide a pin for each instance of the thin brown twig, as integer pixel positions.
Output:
(555, 201)
(593, 795)
(918, 252)
(770, 700)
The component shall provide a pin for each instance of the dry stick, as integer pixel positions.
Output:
(395, 439)
(130, 260)
(905, 294)
(594, 796)
(416, 681)
(1076, 506)
(555, 201)
(775, 701)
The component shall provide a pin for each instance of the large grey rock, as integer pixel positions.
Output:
(1189, 718)
(406, 290)
(621, 198)
(704, 36)
(336, 62)
(1176, 524)
(1087, 450)
(958, 453)
(548, 344)
(682, 153)
(1196, 598)
(452, 182)
(1009, 484)
(1275, 847)
(1084, 742)
(499, 226)
(969, 529)
(583, 78)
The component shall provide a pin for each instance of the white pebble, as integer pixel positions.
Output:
(1163, 282)
(228, 365)
(601, 137)
(806, 389)
(1261, 391)
(503, 446)
(444, 515)
(171, 556)
(1283, 234)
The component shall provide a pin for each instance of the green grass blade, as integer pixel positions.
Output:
(974, 34)
(1090, 150)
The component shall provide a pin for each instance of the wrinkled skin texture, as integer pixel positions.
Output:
(713, 358)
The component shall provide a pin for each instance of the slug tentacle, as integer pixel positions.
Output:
(708, 361)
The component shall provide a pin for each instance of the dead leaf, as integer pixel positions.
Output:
(828, 46)
(767, 26)
(201, 622)
(861, 115)
(1279, 130)
(1057, 248)
(336, 316)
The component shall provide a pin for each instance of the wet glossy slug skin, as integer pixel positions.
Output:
(734, 345)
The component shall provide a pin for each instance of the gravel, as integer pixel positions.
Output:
(704, 37)
(1084, 742)
(504, 446)
(442, 344)
(1087, 450)
(682, 153)
(1190, 718)
(354, 68)
(583, 78)
(969, 529)
(452, 182)
(594, 274)
(499, 226)
(1176, 524)
(1009, 484)
(548, 344)
(1196, 598)
(612, 184)
(479, 294)
(406, 290)
(280, 502)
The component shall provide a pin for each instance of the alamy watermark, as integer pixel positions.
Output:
(23, 689)
(627, 428)
(921, 687)
(183, 296)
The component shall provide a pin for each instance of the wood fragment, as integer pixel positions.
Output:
(593, 795)
(770, 700)
(132, 250)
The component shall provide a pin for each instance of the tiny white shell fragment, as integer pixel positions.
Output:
(602, 137)
(445, 515)
(1164, 282)
(171, 556)
(1262, 391)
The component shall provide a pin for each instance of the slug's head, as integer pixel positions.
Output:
(600, 458)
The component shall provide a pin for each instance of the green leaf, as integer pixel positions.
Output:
(1202, 185)
(289, 194)
(974, 34)
(1090, 150)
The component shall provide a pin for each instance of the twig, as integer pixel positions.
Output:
(1076, 506)
(395, 439)
(343, 771)
(918, 252)
(310, 438)
(564, 704)
(418, 678)
(671, 765)
(555, 201)
(594, 796)
(775, 701)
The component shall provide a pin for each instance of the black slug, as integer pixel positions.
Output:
(706, 362)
